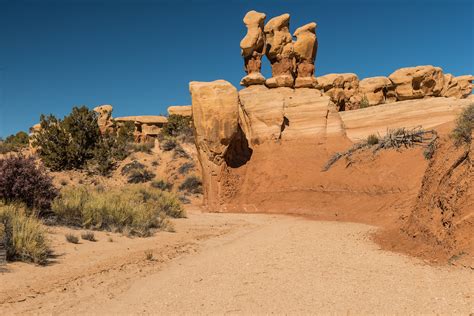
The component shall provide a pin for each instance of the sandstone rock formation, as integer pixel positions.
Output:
(279, 51)
(105, 118)
(147, 127)
(376, 90)
(457, 87)
(426, 113)
(215, 118)
(305, 49)
(253, 48)
(340, 88)
(183, 110)
(417, 82)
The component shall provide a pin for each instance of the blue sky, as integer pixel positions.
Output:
(140, 56)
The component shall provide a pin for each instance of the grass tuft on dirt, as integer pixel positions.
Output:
(136, 209)
(24, 235)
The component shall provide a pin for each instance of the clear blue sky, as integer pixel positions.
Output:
(139, 56)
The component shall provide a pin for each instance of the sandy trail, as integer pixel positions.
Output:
(267, 264)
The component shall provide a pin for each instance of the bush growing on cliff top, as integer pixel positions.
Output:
(21, 180)
(14, 142)
(462, 133)
(178, 125)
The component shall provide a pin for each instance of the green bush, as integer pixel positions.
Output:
(169, 144)
(364, 103)
(186, 167)
(68, 143)
(191, 184)
(24, 235)
(14, 142)
(462, 133)
(162, 185)
(178, 125)
(136, 208)
(143, 147)
(137, 172)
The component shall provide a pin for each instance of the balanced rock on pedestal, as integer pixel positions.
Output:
(279, 52)
(305, 49)
(253, 48)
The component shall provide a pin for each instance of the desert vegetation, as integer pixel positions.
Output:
(394, 139)
(14, 143)
(135, 210)
(462, 133)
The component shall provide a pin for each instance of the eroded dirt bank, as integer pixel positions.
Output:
(249, 263)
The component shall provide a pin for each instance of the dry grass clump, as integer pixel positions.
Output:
(137, 172)
(88, 235)
(136, 209)
(24, 235)
(395, 138)
(73, 239)
(462, 133)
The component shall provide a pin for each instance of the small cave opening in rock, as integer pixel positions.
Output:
(284, 124)
(238, 153)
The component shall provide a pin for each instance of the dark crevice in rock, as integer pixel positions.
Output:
(284, 124)
(238, 153)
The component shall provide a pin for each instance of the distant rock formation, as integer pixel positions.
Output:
(253, 48)
(183, 110)
(147, 127)
(104, 118)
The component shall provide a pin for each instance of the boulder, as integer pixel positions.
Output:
(253, 47)
(417, 82)
(376, 90)
(457, 87)
(215, 108)
(340, 88)
(183, 110)
(104, 119)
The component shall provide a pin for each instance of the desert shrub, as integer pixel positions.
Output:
(396, 138)
(179, 152)
(24, 235)
(155, 163)
(162, 185)
(68, 143)
(135, 208)
(149, 255)
(462, 133)
(137, 172)
(143, 147)
(73, 239)
(191, 184)
(14, 142)
(186, 167)
(21, 180)
(364, 103)
(168, 144)
(372, 139)
(88, 235)
(178, 125)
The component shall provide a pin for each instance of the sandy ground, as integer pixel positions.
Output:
(236, 264)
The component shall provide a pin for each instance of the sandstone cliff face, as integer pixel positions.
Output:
(104, 119)
(232, 128)
(215, 117)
